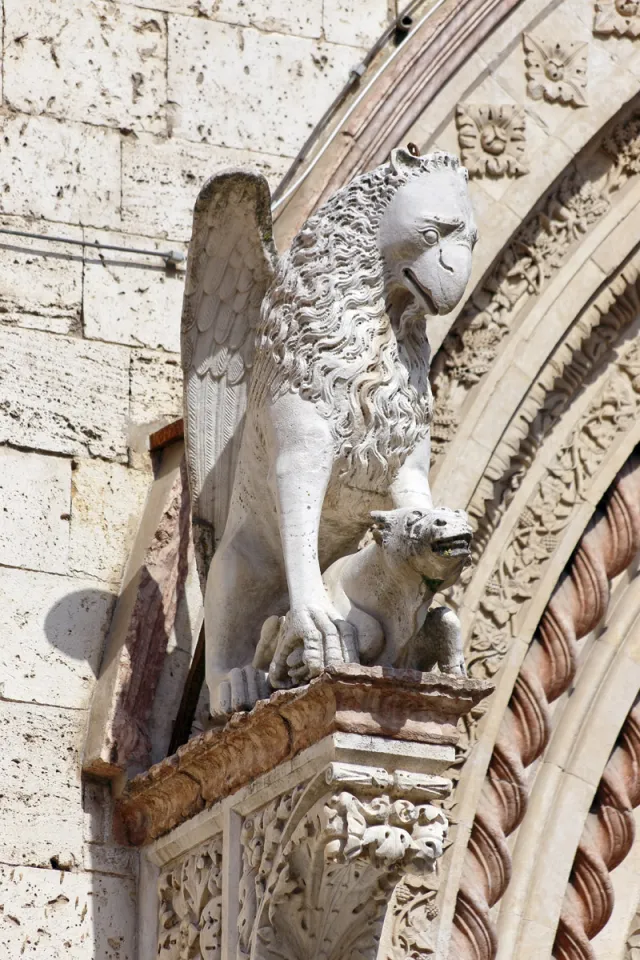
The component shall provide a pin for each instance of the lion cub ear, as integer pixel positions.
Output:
(381, 526)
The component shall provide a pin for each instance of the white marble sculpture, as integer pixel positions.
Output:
(307, 400)
(384, 591)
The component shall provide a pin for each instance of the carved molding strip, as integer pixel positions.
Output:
(632, 946)
(535, 254)
(608, 546)
(606, 840)
(570, 366)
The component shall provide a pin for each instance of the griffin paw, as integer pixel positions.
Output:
(240, 689)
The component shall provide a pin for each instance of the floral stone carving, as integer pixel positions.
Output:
(317, 872)
(620, 17)
(492, 139)
(307, 399)
(190, 912)
(556, 71)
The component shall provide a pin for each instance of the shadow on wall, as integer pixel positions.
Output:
(78, 623)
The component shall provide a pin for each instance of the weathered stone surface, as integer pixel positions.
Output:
(41, 811)
(89, 61)
(101, 852)
(106, 501)
(50, 914)
(40, 281)
(60, 171)
(130, 298)
(66, 396)
(54, 629)
(346, 21)
(161, 180)
(280, 16)
(152, 595)
(372, 701)
(293, 80)
(35, 493)
(156, 390)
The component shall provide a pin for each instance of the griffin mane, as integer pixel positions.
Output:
(324, 330)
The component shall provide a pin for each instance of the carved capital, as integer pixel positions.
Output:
(319, 864)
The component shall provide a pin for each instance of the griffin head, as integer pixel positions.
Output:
(427, 232)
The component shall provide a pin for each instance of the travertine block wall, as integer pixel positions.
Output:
(112, 115)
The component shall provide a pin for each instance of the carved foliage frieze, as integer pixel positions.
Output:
(549, 511)
(582, 350)
(618, 17)
(531, 259)
(555, 70)
(190, 915)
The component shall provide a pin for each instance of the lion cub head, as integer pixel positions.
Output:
(434, 543)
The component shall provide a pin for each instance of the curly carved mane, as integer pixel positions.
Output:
(325, 332)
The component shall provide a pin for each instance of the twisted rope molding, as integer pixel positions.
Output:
(606, 840)
(577, 605)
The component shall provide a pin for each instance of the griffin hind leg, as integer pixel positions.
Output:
(243, 589)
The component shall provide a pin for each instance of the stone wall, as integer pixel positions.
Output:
(113, 113)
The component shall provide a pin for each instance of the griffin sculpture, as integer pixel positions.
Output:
(307, 398)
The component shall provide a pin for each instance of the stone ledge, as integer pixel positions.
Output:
(378, 701)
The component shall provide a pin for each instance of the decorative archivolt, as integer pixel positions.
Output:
(607, 839)
(535, 254)
(608, 546)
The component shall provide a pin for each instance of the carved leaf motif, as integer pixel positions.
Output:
(322, 893)
(492, 139)
(556, 71)
(190, 895)
(620, 17)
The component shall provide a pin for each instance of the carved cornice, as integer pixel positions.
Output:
(606, 840)
(608, 546)
(378, 701)
(537, 251)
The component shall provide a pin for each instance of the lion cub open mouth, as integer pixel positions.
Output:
(456, 546)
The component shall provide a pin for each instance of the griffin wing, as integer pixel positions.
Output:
(231, 264)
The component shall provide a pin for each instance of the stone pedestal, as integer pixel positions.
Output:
(284, 835)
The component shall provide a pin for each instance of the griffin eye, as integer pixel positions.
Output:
(431, 236)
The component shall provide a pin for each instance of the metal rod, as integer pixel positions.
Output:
(172, 256)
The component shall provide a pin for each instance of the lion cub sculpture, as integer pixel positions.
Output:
(385, 591)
